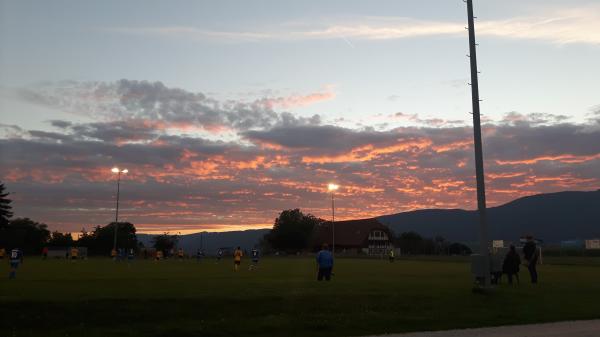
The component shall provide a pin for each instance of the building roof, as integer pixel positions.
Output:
(350, 233)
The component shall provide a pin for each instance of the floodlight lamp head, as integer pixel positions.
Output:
(332, 187)
(115, 170)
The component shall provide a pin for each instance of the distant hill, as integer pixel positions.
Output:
(551, 217)
(211, 241)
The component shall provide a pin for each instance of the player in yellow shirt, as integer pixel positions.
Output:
(237, 258)
(113, 254)
(74, 253)
(2, 253)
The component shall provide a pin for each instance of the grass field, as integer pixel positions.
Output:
(99, 297)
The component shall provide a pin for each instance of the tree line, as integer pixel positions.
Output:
(293, 232)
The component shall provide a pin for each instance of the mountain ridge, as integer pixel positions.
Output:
(552, 217)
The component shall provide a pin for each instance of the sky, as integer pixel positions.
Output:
(226, 113)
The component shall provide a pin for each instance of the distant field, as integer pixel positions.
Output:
(99, 297)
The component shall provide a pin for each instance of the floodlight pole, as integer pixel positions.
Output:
(117, 210)
(481, 206)
(332, 224)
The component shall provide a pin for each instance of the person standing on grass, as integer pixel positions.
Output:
(531, 255)
(219, 255)
(237, 258)
(45, 253)
(391, 255)
(199, 255)
(255, 255)
(2, 252)
(180, 253)
(16, 258)
(324, 263)
(511, 264)
(74, 253)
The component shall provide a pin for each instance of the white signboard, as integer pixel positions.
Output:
(592, 244)
(498, 243)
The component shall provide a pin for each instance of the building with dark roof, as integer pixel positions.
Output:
(363, 236)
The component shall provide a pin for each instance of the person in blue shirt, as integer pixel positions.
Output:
(255, 255)
(16, 257)
(131, 254)
(324, 263)
(219, 255)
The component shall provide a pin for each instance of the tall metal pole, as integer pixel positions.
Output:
(117, 211)
(481, 206)
(333, 223)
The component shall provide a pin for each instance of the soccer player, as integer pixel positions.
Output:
(131, 254)
(237, 258)
(199, 255)
(2, 252)
(74, 253)
(45, 253)
(219, 255)
(113, 254)
(180, 253)
(324, 263)
(255, 255)
(391, 255)
(159, 255)
(16, 257)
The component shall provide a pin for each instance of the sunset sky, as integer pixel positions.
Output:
(227, 112)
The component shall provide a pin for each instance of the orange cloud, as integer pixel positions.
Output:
(564, 158)
(370, 152)
(298, 100)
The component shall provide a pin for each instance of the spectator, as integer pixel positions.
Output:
(531, 255)
(511, 264)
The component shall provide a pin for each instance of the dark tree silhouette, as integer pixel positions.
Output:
(292, 230)
(164, 242)
(58, 239)
(25, 234)
(100, 241)
(5, 207)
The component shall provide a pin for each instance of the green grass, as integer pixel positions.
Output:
(99, 297)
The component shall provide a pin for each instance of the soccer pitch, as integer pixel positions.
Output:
(99, 297)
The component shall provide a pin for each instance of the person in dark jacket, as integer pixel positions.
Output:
(531, 255)
(511, 264)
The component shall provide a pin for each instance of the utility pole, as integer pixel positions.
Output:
(481, 205)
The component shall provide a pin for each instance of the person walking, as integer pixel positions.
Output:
(255, 256)
(531, 255)
(511, 264)
(237, 258)
(324, 263)
(16, 258)
(219, 255)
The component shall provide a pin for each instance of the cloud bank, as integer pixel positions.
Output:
(277, 160)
